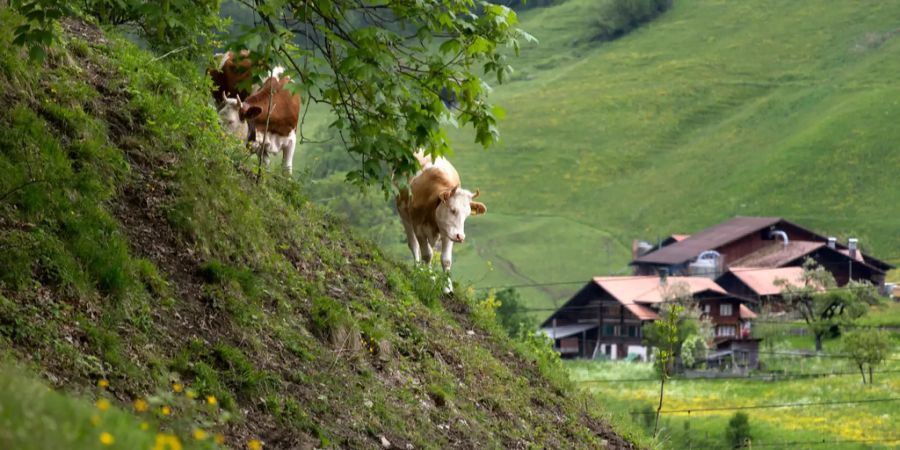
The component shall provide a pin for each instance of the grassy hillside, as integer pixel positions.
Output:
(714, 109)
(139, 255)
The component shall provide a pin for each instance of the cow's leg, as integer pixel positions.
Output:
(446, 253)
(427, 252)
(288, 151)
(412, 241)
(447, 261)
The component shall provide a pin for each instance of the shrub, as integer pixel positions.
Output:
(738, 432)
(511, 313)
(618, 17)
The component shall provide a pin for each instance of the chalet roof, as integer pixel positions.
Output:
(731, 230)
(707, 239)
(779, 255)
(745, 313)
(762, 281)
(641, 312)
(649, 289)
(680, 237)
(638, 293)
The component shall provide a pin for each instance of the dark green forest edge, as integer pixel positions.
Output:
(137, 250)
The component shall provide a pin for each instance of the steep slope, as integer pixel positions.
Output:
(712, 110)
(137, 248)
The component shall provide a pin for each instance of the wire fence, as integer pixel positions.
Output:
(771, 377)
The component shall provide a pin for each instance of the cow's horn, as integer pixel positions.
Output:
(224, 97)
(238, 96)
(477, 193)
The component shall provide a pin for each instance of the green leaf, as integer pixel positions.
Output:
(36, 53)
(450, 46)
(498, 112)
(479, 45)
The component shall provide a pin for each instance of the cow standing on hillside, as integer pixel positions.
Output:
(433, 207)
(252, 120)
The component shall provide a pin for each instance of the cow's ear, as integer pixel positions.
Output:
(478, 208)
(252, 112)
(445, 195)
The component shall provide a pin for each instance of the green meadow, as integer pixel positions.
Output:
(869, 424)
(713, 109)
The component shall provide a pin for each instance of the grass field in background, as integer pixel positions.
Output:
(714, 109)
(802, 427)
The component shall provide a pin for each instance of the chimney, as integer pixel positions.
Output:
(832, 242)
(852, 246)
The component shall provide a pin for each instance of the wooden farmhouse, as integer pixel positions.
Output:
(756, 242)
(605, 317)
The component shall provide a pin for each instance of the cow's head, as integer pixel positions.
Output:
(456, 205)
(238, 118)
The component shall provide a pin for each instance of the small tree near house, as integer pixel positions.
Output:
(823, 306)
(666, 335)
(867, 348)
(738, 432)
(667, 329)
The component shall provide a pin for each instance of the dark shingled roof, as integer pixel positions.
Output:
(707, 239)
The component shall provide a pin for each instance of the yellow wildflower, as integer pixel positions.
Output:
(103, 383)
(219, 438)
(191, 394)
(165, 410)
(177, 387)
(95, 420)
(145, 426)
(102, 404)
(199, 434)
(211, 399)
(254, 444)
(140, 405)
(106, 438)
(167, 442)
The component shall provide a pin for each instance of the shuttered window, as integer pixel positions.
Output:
(725, 309)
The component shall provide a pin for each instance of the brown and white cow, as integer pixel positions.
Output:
(232, 79)
(252, 121)
(435, 207)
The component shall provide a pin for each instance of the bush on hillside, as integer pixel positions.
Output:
(521, 5)
(618, 17)
(512, 314)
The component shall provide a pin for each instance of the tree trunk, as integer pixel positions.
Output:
(662, 384)
(870, 374)
(862, 372)
(819, 342)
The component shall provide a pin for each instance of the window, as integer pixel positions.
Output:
(725, 330)
(706, 309)
(632, 331)
(725, 309)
